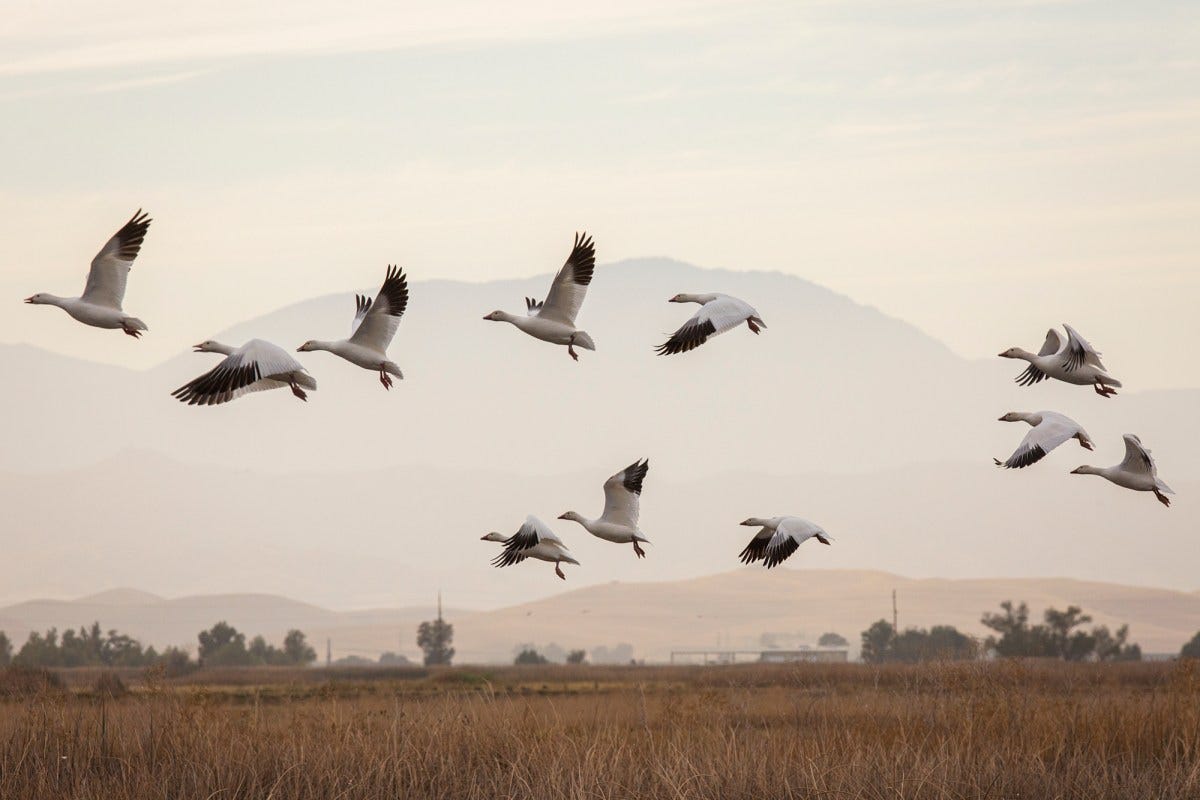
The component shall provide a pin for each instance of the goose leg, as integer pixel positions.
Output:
(384, 379)
(640, 552)
(753, 327)
(296, 390)
(134, 332)
(1162, 498)
(558, 571)
(571, 349)
(1104, 391)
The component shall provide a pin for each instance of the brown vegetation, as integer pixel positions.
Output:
(996, 730)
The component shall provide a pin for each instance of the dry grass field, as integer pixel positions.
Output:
(998, 730)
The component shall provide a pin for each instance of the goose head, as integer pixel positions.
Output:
(492, 537)
(207, 346)
(40, 299)
(495, 316)
(308, 346)
(1013, 352)
(755, 522)
(572, 516)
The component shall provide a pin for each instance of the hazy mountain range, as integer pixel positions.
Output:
(363, 497)
(729, 610)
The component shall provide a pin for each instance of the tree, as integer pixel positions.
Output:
(1189, 650)
(6, 650)
(223, 645)
(1066, 642)
(434, 639)
(1061, 635)
(390, 659)
(877, 641)
(530, 656)
(576, 656)
(832, 640)
(296, 649)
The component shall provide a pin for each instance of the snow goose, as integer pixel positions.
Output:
(1072, 360)
(554, 320)
(1050, 429)
(375, 324)
(779, 537)
(619, 521)
(100, 304)
(254, 367)
(1137, 471)
(533, 540)
(718, 313)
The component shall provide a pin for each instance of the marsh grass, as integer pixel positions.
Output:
(1000, 730)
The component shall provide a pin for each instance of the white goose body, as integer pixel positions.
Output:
(554, 319)
(374, 327)
(1071, 360)
(778, 538)
(622, 505)
(1050, 429)
(1137, 471)
(534, 540)
(256, 366)
(718, 313)
(100, 304)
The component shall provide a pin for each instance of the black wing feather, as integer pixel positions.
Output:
(780, 552)
(395, 289)
(635, 473)
(131, 236)
(689, 337)
(217, 385)
(582, 259)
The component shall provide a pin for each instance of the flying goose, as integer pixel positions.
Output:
(1071, 361)
(1137, 471)
(619, 521)
(100, 304)
(718, 313)
(1050, 429)
(375, 323)
(254, 367)
(533, 540)
(554, 319)
(779, 538)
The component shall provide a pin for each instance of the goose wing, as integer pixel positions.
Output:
(1053, 430)
(376, 321)
(1080, 352)
(570, 284)
(712, 319)
(622, 495)
(1052, 344)
(1137, 457)
(789, 535)
(255, 366)
(529, 536)
(110, 268)
(756, 550)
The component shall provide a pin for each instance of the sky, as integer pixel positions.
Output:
(982, 170)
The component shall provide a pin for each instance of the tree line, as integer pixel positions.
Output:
(220, 645)
(1061, 634)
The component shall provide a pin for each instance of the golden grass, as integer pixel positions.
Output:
(1001, 730)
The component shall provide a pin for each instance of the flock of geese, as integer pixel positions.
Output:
(259, 365)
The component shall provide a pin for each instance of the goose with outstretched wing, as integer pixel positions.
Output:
(778, 538)
(622, 504)
(1070, 359)
(718, 313)
(1137, 471)
(1050, 429)
(533, 540)
(100, 304)
(374, 327)
(553, 320)
(256, 366)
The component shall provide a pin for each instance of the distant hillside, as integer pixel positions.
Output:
(395, 537)
(731, 610)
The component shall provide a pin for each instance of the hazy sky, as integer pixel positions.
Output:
(980, 169)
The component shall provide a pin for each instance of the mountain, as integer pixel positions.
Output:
(723, 611)
(830, 386)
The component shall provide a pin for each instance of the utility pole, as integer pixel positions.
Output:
(895, 618)
(328, 652)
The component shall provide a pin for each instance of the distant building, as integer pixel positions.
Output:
(824, 655)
